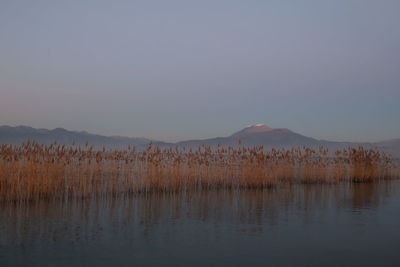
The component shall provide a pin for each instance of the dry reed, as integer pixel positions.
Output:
(33, 171)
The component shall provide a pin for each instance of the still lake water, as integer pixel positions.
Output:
(302, 225)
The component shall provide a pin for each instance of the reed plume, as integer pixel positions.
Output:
(33, 171)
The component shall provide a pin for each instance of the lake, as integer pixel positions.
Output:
(293, 225)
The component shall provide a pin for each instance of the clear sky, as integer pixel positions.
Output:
(175, 70)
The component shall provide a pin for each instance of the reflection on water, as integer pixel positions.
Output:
(304, 225)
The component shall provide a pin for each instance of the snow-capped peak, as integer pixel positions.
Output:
(256, 128)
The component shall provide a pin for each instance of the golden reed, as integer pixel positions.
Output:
(33, 171)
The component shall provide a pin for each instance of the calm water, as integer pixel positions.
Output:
(346, 225)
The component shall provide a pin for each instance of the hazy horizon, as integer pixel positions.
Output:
(188, 139)
(181, 70)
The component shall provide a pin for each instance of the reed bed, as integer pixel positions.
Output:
(33, 171)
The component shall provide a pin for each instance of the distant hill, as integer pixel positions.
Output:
(255, 135)
(258, 134)
(20, 134)
(390, 146)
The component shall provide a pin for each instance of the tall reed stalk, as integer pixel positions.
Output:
(33, 171)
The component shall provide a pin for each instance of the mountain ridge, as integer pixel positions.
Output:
(22, 133)
(254, 135)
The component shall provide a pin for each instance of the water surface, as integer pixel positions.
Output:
(302, 225)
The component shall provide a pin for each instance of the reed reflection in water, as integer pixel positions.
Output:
(205, 226)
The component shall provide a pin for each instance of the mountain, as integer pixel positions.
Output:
(261, 134)
(258, 134)
(20, 134)
(255, 135)
(390, 146)
(257, 128)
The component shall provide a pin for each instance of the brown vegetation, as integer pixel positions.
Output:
(33, 171)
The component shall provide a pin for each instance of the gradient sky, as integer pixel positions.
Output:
(175, 70)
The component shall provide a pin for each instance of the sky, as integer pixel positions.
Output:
(175, 70)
